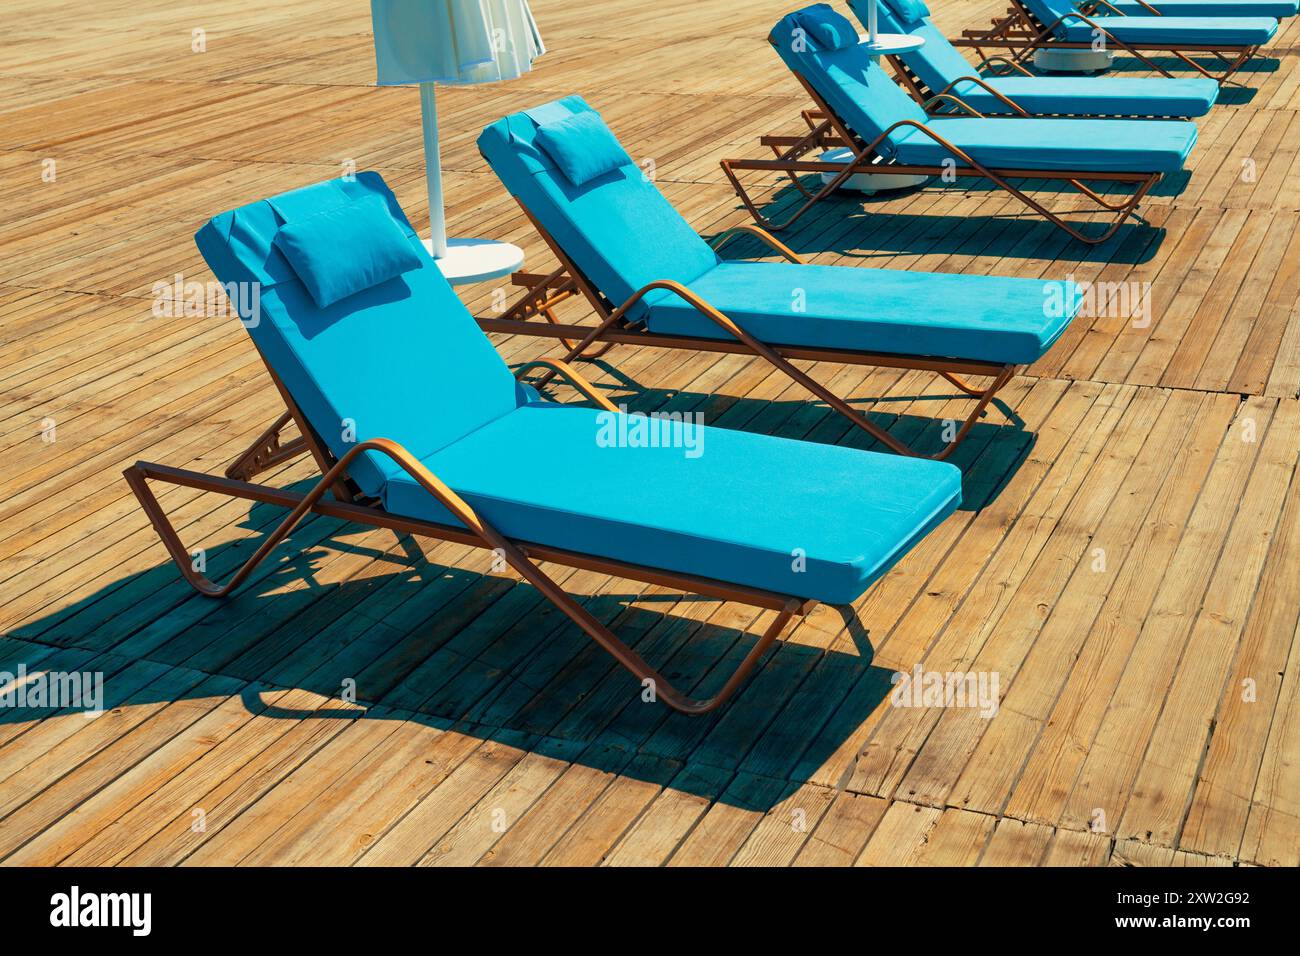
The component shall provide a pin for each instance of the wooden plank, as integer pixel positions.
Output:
(1100, 513)
(487, 729)
(1101, 783)
(1248, 702)
(958, 839)
(484, 824)
(617, 808)
(843, 831)
(1162, 789)
(669, 818)
(900, 837)
(1114, 569)
(1016, 843)
(1077, 848)
(784, 830)
(728, 824)
(1272, 834)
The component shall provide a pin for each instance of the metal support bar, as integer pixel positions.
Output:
(476, 532)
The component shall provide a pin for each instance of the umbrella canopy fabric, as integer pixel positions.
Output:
(456, 42)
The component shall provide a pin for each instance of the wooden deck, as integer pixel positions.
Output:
(1128, 561)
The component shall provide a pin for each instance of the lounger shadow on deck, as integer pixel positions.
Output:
(480, 655)
(864, 233)
(999, 443)
(1260, 63)
(486, 655)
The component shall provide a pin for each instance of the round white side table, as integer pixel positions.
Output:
(1073, 61)
(477, 260)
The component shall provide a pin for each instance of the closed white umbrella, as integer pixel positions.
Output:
(458, 43)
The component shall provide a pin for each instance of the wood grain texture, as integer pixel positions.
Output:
(1126, 564)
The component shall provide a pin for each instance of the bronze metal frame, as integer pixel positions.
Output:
(543, 292)
(1022, 33)
(928, 98)
(523, 556)
(828, 131)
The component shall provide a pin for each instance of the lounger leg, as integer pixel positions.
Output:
(816, 137)
(1232, 67)
(138, 483)
(861, 421)
(984, 398)
(1235, 65)
(137, 478)
(692, 706)
(728, 167)
(1122, 210)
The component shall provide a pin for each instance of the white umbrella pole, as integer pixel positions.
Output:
(433, 172)
(871, 21)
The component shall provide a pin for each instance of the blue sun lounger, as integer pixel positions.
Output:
(418, 426)
(861, 110)
(1277, 9)
(1064, 19)
(653, 281)
(1034, 25)
(938, 69)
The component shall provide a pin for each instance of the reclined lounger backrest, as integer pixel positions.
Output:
(855, 87)
(617, 227)
(938, 63)
(402, 359)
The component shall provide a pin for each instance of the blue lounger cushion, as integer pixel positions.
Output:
(1094, 95)
(829, 28)
(341, 251)
(939, 65)
(582, 146)
(745, 507)
(1277, 9)
(404, 360)
(860, 92)
(1170, 31)
(1158, 31)
(985, 318)
(1056, 144)
(622, 230)
(613, 230)
(362, 367)
(910, 12)
(854, 86)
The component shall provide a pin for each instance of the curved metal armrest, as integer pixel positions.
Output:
(759, 233)
(675, 287)
(572, 376)
(988, 61)
(1093, 5)
(950, 98)
(950, 147)
(719, 319)
(985, 86)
